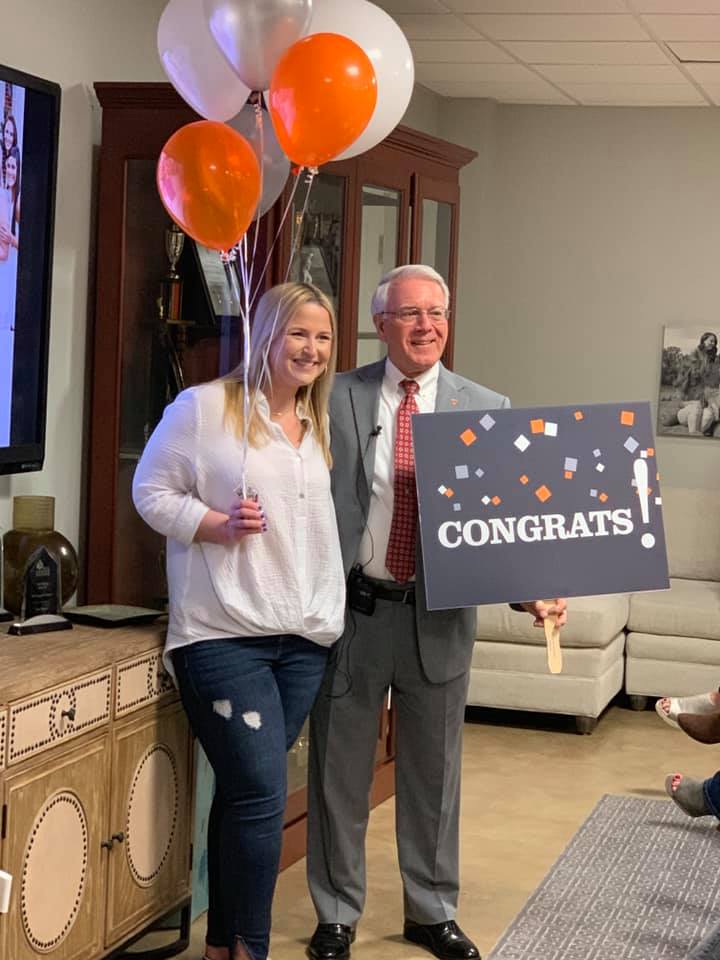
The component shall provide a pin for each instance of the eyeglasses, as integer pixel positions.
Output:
(411, 314)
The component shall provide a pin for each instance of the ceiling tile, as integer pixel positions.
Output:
(675, 6)
(429, 73)
(615, 73)
(705, 72)
(507, 92)
(556, 27)
(713, 91)
(426, 26)
(598, 53)
(412, 6)
(697, 28)
(696, 51)
(538, 6)
(458, 51)
(635, 94)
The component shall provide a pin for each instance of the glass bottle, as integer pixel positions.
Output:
(34, 527)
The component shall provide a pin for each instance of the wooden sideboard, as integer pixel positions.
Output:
(96, 787)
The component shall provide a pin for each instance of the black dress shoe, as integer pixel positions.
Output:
(446, 940)
(331, 941)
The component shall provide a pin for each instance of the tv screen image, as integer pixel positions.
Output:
(29, 124)
(11, 139)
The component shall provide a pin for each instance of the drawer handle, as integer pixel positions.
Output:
(70, 714)
(108, 844)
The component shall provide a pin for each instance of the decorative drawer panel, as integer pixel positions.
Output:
(3, 733)
(141, 681)
(49, 718)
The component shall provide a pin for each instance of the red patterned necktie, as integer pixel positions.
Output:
(400, 557)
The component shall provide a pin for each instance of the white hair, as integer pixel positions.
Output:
(420, 271)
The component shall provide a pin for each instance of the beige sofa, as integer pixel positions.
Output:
(656, 643)
(673, 636)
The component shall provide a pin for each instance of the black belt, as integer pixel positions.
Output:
(397, 594)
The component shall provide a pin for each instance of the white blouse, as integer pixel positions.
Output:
(286, 580)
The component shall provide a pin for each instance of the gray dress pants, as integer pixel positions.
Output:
(377, 652)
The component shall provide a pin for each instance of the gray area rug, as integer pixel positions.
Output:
(638, 881)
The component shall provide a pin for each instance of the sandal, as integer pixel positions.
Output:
(699, 703)
(688, 795)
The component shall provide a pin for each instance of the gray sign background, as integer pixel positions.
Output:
(504, 463)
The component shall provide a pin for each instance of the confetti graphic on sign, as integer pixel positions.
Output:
(539, 428)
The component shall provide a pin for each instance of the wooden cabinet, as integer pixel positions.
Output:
(96, 792)
(55, 814)
(398, 203)
(150, 820)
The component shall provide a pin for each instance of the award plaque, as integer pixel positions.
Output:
(42, 590)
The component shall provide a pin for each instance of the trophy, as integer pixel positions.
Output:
(171, 285)
(173, 325)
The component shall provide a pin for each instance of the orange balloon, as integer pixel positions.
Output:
(208, 177)
(322, 96)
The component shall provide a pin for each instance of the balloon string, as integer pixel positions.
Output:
(297, 240)
(235, 264)
(286, 211)
(260, 125)
(242, 262)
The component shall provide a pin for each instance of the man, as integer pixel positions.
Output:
(391, 639)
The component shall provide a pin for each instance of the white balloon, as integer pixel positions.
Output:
(386, 46)
(194, 65)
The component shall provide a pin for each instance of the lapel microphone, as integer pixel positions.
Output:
(376, 432)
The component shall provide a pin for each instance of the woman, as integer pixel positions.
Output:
(256, 587)
(8, 142)
(10, 204)
(697, 385)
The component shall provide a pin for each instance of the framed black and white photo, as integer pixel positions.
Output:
(689, 401)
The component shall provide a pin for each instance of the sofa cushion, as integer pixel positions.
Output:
(692, 531)
(690, 608)
(676, 650)
(592, 622)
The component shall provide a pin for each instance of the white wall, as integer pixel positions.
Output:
(74, 43)
(424, 111)
(583, 232)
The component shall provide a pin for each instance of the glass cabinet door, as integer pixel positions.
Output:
(316, 238)
(379, 252)
(436, 236)
(435, 233)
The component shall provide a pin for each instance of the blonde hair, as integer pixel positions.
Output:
(275, 310)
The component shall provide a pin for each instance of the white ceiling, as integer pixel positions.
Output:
(588, 52)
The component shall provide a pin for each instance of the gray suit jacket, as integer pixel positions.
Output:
(445, 637)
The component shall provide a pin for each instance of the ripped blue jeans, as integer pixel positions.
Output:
(246, 700)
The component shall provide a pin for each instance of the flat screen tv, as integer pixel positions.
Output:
(29, 125)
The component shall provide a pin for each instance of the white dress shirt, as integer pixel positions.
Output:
(287, 580)
(373, 547)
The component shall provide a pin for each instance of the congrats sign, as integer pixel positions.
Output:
(530, 504)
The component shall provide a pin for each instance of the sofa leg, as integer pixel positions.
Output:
(585, 725)
(637, 702)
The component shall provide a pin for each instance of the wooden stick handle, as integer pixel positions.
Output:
(552, 641)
